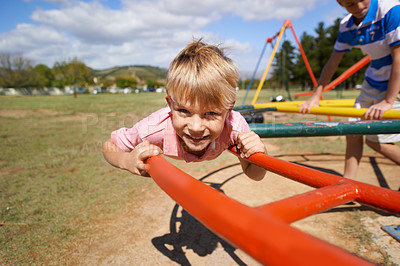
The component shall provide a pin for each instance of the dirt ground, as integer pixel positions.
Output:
(156, 231)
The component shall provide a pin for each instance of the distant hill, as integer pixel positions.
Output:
(141, 71)
(144, 71)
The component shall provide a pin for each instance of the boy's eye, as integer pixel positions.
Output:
(211, 114)
(183, 111)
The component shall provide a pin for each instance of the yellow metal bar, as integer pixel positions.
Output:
(269, 65)
(337, 103)
(322, 103)
(338, 111)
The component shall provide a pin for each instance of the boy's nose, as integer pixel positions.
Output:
(196, 124)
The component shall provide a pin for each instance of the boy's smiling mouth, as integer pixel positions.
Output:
(196, 139)
(194, 145)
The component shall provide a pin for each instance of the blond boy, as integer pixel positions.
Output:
(198, 124)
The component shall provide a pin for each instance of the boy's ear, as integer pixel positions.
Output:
(169, 101)
(233, 105)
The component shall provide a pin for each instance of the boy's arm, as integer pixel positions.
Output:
(376, 111)
(248, 144)
(326, 75)
(131, 161)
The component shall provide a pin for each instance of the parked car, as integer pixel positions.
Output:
(99, 90)
(161, 89)
(79, 90)
(127, 90)
(114, 90)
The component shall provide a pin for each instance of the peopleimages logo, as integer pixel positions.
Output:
(106, 123)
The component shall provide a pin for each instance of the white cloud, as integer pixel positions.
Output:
(141, 32)
(38, 43)
(335, 13)
(270, 9)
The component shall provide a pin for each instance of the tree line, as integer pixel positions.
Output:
(16, 71)
(288, 67)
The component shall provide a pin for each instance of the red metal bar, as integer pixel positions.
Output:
(378, 197)
(288, 23)
(265, 237)
(350, 71)
(303, 55)
(270, 39)
(301, 206)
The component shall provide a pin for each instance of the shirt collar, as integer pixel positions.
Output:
(171, 145)
(371, 14)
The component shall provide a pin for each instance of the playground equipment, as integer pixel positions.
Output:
(322, 103)
(264, 232)
(364, 127)
(291, 106)
(269, 40)
(335, 111)
(286, 24)
(350, 71)
(262, 107)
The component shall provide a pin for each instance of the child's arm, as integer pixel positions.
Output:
(131, 161)
(376, 111)
(326, 75)
(248, 144)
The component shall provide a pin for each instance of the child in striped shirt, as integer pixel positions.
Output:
(374, 27)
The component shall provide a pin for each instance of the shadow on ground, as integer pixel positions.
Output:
(188, 232)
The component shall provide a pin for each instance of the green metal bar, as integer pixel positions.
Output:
(243, 107)
(363, 127)
(253, 110)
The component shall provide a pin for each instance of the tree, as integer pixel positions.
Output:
(318, 50)
(348, 60)
(16, 72)
(151, 82)
(126, 81)
(73, 73)
(284, 64)
(300, 71)
(43, 76)
(323, 47)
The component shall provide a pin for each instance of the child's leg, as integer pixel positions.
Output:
(354, 150)
(390, 150)
(384, 143)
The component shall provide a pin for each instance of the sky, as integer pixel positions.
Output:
(108, 33)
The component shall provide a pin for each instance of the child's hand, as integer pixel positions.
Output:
(250, 143)
(376, 111)
(311, 102)
(135, 160)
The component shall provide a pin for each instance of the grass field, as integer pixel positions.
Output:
(53, 178)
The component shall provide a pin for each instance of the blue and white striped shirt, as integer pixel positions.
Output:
(379, 31)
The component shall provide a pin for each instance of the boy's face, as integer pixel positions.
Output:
(195, 125)
(358, 8)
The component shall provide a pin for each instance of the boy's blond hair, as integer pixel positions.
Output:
(202, 74)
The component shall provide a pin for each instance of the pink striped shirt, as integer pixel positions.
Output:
(157, 129)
